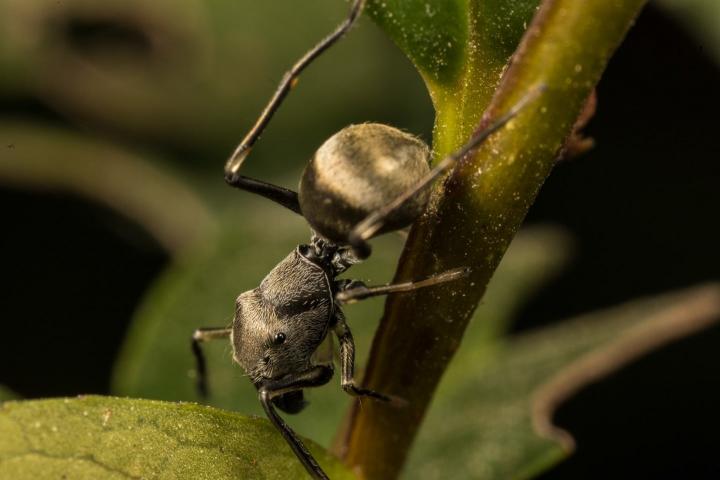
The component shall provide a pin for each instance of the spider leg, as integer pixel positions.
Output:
(347, 365)
(358, 291)
(316, 376)
(286, 198)
(199, 336)
(364, 230)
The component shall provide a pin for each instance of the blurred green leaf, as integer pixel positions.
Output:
(190, 76)
(701, 19)
(7, 394)
(494, 421)
(134, 184)
(91, 438)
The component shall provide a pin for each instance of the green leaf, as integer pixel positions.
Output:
(134, 184)
(91, 438)
(190, 76)
(701, 19)
(7, 394)
(494, 421)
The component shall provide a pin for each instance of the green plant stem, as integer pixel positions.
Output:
(473, 217)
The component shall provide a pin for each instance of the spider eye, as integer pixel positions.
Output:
(279, 338)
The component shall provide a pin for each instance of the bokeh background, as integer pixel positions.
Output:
(119, 235)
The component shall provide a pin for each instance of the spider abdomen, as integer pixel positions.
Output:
(358, 171)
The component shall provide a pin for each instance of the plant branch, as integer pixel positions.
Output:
(473, 217)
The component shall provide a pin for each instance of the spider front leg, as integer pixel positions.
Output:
(283, 196)
(316, 376)
(351, 291)
(199, 336)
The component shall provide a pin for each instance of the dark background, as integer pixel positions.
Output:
(643, 206)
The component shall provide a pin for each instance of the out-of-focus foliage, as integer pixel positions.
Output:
(92, 438)
(134, 184)
(191, 75)
(6, 394)
(156, 121)
(494, 420)
(702, 18)
(146, 99)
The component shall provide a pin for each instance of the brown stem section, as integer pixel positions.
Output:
(473, 218)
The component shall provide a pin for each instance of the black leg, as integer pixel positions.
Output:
(347, 363)
(365, 230)
(203, 335)
(284, 197)
(314, 377)
(355, 291)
